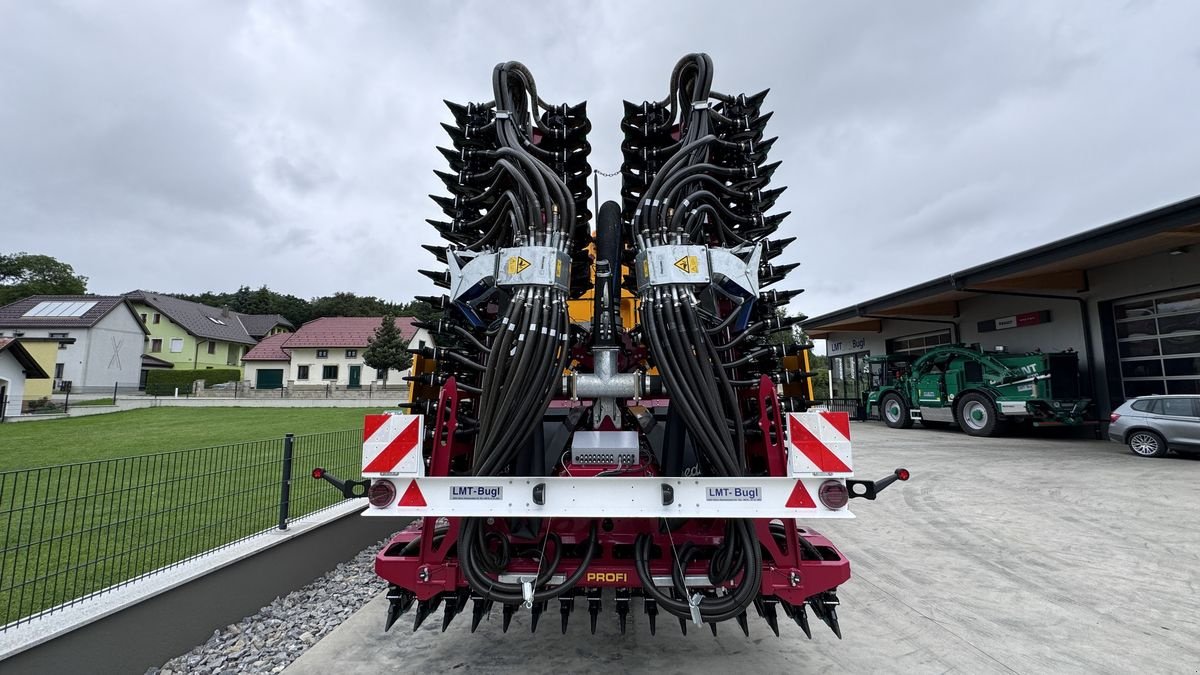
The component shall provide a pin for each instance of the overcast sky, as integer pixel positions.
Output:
(200, 146)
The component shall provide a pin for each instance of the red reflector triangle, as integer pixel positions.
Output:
(412, 496)
(800, 499)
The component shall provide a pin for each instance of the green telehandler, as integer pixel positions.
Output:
(982, 391)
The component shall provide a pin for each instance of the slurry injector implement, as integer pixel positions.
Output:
(616, 416)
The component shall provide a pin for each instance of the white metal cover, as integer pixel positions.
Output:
(611, 497)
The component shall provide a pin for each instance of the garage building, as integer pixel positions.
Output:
(1126, 296)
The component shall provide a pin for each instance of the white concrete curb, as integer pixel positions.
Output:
(27, 635)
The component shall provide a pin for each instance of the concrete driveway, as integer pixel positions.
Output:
(1000, 555)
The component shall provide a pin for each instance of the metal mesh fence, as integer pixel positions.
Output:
(70, 532)
(853, 406)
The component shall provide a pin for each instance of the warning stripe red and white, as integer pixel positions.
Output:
(819, 443)
(392, 445)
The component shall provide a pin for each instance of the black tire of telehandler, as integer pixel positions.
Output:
(977, 415)
(894, 412)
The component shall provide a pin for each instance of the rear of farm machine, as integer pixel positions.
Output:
(610, 418)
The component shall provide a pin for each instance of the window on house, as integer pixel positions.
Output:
(61, 345)
(58, 371)
(156, 346)
(849, 375)
(176, 345)
(301, 372)
(351, 353)
(420, 344)
(1158, 343)
(380, 374)
(157, 318)
(216, 321)
(212, 347)
(329, 372)
(322, 353)
(234, 352)
(916, 345)
(143, 318)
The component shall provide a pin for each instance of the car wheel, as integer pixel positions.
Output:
(894, 412)
(1147, 444)
(977, 415)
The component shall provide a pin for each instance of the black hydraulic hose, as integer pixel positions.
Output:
(512, 593)
(454, 356)
(469, 337)
(750, 330)
(747, 358)
(687, 201)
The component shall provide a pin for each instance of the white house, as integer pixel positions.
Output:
(325, 351)
(103, 337)
(16, 365)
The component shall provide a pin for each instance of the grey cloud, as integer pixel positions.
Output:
(292, 143)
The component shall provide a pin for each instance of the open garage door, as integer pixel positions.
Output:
(271, 378)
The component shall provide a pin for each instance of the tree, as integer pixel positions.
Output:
(386, 349)
(25, 274)
(420, 310)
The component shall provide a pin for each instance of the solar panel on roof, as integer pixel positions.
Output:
(61, 308)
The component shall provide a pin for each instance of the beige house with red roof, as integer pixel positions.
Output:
(326, 351)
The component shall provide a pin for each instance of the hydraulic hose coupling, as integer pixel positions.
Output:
(606, 382)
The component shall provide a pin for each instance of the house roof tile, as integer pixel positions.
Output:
(258, 325)
(29, 364)
(210, 323)
(344, 331)
(269, 348)
(14, 315)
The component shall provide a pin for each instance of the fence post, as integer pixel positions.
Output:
(114, 393)
(285, 486)
(66, 403)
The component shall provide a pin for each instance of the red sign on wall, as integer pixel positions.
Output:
(1015, 321)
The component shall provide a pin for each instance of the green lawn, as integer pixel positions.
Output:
(69, 531)
(150, 430)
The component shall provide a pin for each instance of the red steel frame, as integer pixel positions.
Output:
(787, 574)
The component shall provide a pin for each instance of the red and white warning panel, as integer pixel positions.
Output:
(819, 444)
(392, 445)
(617, 497)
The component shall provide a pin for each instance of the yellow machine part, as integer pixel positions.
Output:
(419, 366)
(804, 389)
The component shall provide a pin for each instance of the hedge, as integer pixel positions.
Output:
(164, 382)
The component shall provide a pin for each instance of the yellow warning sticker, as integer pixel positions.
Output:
(558, 268)
(690, 264)
(517, 264)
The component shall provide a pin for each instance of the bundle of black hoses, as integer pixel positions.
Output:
(532, 207)
(682, 347)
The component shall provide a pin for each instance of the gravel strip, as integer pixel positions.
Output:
(279, 633)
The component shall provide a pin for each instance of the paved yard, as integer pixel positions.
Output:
(1000, 555)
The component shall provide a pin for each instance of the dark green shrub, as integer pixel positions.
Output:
(164, 382)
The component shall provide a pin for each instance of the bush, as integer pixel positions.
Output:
(164, 382)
